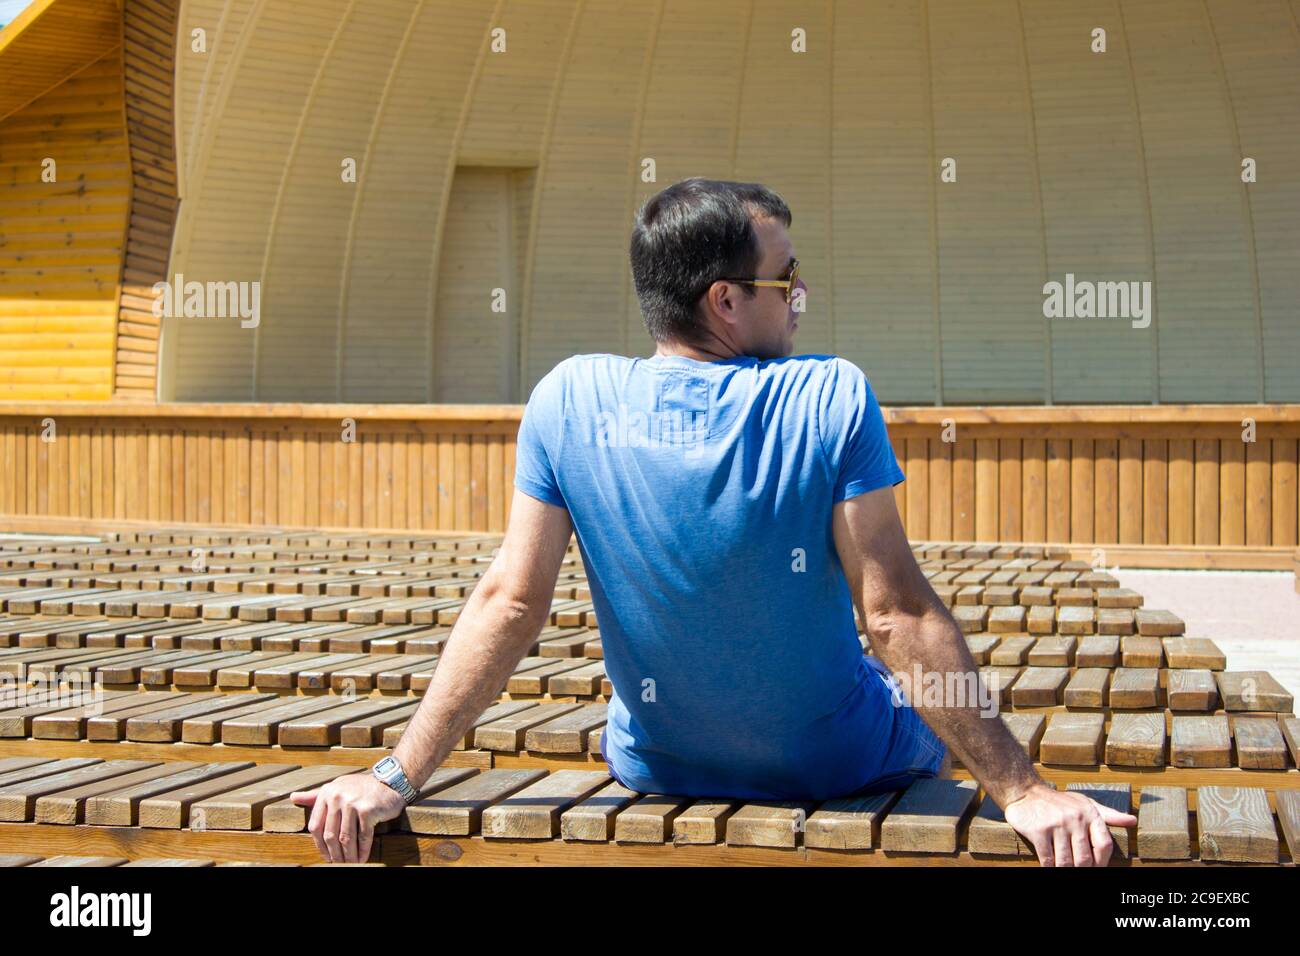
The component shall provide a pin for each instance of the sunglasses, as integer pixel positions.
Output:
(788, 284)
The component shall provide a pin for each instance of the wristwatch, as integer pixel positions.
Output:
(389, 772)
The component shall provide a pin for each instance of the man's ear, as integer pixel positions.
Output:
(719, 302)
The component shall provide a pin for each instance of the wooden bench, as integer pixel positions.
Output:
(525, 816)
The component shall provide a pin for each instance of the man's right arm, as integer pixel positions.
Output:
(502, 617)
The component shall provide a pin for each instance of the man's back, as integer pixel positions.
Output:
(701, 496)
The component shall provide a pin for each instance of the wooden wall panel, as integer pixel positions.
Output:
(1232, 492)
(899, 446)
(148, 63)
(470, 338)
(1058, 489)
(1096, 223)
(61, 242)
(941, 489)
(1010, 482)
(1109, 167)
(1130, 491)
(883, 219)
(1191, 140)
(47, 41)
(986, 489)
(1115, 478)
(1206, 493)
(1033, 505)
(1182, 486)
(963, 489)
(1082, 500)
(1106, 486)
(917, 486)
(1284, 496)
(993, 335)
(1155, 491)
(578, 253)
(402, 211)
(199, 468)
(1259, 518)
(1259, 59)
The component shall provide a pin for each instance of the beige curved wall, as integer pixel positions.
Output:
(520, 171)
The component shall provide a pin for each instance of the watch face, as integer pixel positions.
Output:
(385, 766)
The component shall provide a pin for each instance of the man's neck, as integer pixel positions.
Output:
(695, 352)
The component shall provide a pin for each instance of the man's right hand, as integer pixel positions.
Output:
(1064, 828)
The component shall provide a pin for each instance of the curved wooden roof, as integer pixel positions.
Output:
(49, 41)
(521, 170)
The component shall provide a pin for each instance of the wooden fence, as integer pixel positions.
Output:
(1165, 476)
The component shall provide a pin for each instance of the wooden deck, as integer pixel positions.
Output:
(291, 657)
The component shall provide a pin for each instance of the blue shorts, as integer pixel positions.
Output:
(915, 751)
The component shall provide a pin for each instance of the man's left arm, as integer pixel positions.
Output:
(501, 619)
(911, 630)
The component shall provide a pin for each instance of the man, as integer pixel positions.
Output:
(730, 504)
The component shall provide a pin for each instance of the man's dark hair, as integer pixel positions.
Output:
(687, 237)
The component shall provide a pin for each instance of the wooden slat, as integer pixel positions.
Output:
(928, 816)
(1258, 492)
(1181, 498)
(242, 809)
(1106, 490)
(916, 467)
(1284, 492)
(1136, 740)
(963, 482)
(1200, 742)
(1232, 492)
(987, 486)
(649, 818)
(593, 819)
(458, 810)
(704, 822)
(1206, 491)
(534, 812)
(941, 488)
(1155, 491)
(1235, 825)
(1073, 739)
(1163, 831)
(1010, 477)
(1130, 491)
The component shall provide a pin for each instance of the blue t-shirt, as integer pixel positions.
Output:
(700, 495)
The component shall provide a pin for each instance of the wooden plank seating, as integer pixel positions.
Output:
(288, 673)
(241, 811)
(556, 733)
(236, 666)
(303, 578)
(560, 646)
(67, 860)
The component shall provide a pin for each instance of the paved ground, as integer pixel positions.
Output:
(1254, 616)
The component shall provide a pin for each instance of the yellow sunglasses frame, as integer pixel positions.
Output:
(787, 284)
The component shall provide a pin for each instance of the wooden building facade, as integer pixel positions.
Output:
(434, 196)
